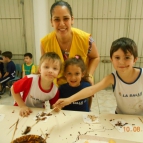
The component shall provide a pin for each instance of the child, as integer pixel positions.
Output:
(1, 65)
(37, 89)
(74, 71)
(28, 67)
(10, 70)
(127, 81)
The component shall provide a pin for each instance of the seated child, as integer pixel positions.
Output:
(28, 67)
(74, 72)
(38, 88)
(126, 80)
(10, 70)
(1, 66)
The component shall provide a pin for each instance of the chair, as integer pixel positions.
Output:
(18, 76)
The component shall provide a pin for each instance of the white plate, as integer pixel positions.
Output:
(38, 115)
(90, 118)
(2, 117)
(121, 124)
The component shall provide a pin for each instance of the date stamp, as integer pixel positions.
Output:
(134, 129)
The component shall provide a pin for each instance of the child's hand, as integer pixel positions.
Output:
(56, 108)
(62, 102)
(25, 111)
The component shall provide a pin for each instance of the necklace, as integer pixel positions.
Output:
(66, 49)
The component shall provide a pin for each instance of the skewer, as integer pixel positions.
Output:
(52, 110)
(35, 123)
(140, 119)
(42, 133)
(64, 113)
(15, 129)
(49, 133)
(14, 124)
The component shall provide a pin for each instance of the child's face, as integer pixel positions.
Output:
(27, 60)
(73, 75)
(123, 62)
(61, 20)
(49, 69)
(5, 59)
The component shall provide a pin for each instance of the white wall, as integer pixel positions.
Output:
(40, 10)
(24, 22)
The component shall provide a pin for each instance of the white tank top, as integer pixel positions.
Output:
(129, 96)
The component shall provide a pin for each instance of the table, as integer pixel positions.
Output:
(66, 126)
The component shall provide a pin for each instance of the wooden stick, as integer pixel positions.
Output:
(15, 129)
(51, 110)
(140, 119)
(49, 133)
(42, 133)
(35, 123)
(13, 124)
(64, 113)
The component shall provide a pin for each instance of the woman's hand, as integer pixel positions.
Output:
(25, 111)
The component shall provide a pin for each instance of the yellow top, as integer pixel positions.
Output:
(79, 46)
(28, 69)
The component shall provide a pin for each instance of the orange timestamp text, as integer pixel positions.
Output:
(134, 129)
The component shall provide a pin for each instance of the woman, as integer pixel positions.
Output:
(68, 41)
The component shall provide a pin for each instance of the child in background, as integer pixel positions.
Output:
(1, 65)
(74, 72)
(10, 71)
(37, 89)
(127, 80)
(28, 67)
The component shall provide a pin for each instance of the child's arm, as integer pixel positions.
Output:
(23, 71)
(0, 74)
(6, 74)
(33, 69)
(87, 92)
(24, 111)
(53, 101)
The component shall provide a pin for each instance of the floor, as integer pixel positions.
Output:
(6, 99)
(103, 101)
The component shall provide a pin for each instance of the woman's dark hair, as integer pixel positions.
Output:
(126, 45)
(61, 3)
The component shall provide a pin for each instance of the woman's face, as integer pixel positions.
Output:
(61, 21)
